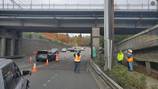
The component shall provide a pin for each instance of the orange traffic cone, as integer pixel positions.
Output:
(30, 60)
(46, 63)
(34, 68)
(57, 57)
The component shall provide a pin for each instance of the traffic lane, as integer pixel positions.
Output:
(61, 77)
(57, 75)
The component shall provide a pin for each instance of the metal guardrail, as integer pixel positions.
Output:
(51, 6)
(112, 84)
(145, 39)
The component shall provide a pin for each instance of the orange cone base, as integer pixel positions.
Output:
(34, 68)
(46, 62)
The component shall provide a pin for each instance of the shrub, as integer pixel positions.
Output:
(99, 60)
(154, 87)
(128, 80)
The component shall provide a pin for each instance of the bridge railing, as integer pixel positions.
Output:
(135, 7)
(15, 6)
(51, 6)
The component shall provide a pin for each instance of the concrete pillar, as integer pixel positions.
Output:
(3, 46)
(148, 67)
(95, 39)
(19, 43)
(12, 47)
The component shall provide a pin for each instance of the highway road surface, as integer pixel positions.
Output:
(60, 75)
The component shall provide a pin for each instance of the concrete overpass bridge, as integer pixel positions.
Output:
(71, 20)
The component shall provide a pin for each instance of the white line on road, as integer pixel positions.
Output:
(48, 81)
(44, 85)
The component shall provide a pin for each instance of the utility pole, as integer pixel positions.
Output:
(3, 3)
(157, 4)
(31, 5)
(107, 34)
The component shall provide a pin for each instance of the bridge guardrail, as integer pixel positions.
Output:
(98, 72)
(18, 6)
(145, 39)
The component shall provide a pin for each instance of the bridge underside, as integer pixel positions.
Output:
(75, 21)
(69, 29)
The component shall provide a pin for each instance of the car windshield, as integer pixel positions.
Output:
(42, 55)
(42, 52)
(54, 50)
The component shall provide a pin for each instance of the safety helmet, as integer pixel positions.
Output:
(130, 50)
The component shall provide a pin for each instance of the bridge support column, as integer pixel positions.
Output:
(95, 39)
(3, 46)
(148, 67)
(12, 47)
(19, 50)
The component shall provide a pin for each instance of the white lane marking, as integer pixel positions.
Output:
(48, 81)
(44, 85)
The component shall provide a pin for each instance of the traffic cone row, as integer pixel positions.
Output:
(57, 57)
(30, 60)
(34, 68)
(46, 63)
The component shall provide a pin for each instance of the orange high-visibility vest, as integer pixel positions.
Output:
(77, 58)
(130, 59)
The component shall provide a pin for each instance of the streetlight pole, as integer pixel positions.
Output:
(157, 5)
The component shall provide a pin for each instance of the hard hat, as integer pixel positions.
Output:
(130, 50)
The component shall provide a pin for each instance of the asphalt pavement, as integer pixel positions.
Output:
(59, 75)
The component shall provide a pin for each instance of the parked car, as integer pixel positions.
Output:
(52, 54)
(63, 50)
(42, 55)
(11, 76)
(71, 49)
(82, 49)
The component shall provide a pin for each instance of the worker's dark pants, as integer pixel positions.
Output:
(119, 62)
(77, 67)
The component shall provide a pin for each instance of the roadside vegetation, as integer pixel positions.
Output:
(120, 73)
(128, 80)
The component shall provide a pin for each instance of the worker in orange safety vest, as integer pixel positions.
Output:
(77, 60)
(130, 59)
